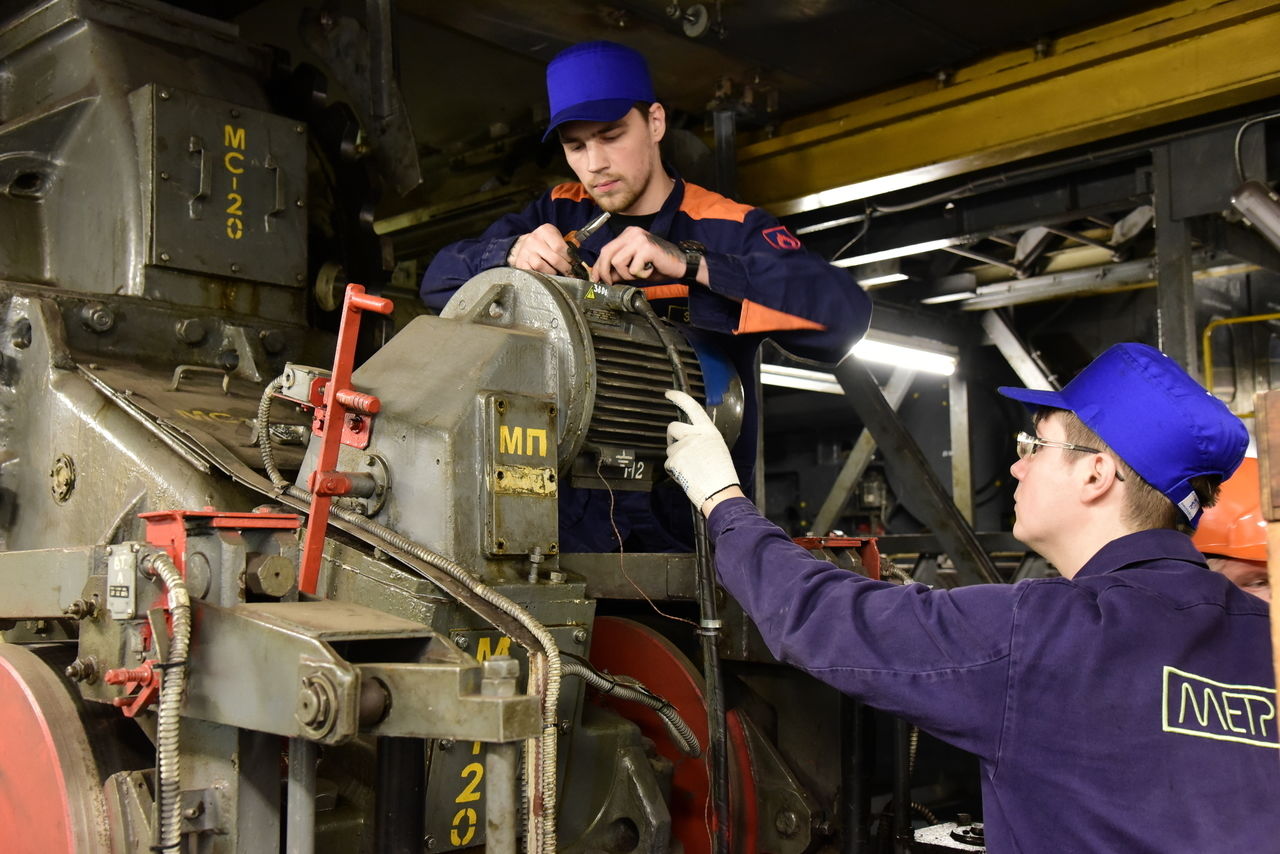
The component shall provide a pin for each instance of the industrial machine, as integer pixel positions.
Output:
(256, 598)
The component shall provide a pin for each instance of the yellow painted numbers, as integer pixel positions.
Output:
(234, 140)
(462, 829)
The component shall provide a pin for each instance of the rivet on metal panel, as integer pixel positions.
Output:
(164, 256)
(235, 268)
(235, 114)
(164, 94)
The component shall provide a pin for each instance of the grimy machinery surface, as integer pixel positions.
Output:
(427, 673)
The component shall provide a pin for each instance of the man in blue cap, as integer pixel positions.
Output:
(732, 273)
(1129, 705)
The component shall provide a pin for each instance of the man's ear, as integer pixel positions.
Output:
(657, 121)
(1098, 477)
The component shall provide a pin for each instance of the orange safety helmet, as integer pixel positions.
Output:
(1234, 527)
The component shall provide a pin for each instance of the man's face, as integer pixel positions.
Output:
(1043, 484)
(1249, 575)
(618, 161)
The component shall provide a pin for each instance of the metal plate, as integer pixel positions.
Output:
(50, 792)
(228, 188)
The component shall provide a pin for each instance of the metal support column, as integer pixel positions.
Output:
(856, 463)
(1175, 296)
(1026, 363)
(943, 519)
(961, 456)
(902, 835)
(724, 123)
(502, 816)
(300, 835)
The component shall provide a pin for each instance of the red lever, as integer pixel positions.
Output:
(331, 415)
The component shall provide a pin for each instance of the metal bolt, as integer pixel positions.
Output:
(579, 636)
(273, 340)
(461, 642)
(496, 310)
(164, 176)
(97, 317)
(194, 811)
(446, 744)
(235, 114)
(22, 334)
(164, 256)
(164, 94)
(191, 331)
(80, 609)
(786, 822)
(564, 727)
(235, 268)
(83, 669)
(429, 841)
(297, 203)
(299, 128)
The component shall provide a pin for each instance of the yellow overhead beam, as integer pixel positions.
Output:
(1179, 60)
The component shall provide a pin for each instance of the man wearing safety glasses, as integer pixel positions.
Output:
(1128, 705)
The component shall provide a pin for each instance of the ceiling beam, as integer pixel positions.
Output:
(1179, 60)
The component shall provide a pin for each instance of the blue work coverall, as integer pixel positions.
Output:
(764, 284)
(1130, 709)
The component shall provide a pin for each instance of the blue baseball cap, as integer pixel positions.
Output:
(596, 82)
(1160, 421)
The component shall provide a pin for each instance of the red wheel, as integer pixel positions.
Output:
(51, 798)
(627, 648)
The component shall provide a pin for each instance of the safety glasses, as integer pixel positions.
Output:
(1028, 444)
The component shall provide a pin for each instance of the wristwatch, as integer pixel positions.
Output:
(694, 252)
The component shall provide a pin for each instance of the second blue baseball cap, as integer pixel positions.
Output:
(596, 82)
(1160, 421)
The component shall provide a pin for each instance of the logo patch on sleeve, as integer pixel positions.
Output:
(1194, 705)
(779, 238)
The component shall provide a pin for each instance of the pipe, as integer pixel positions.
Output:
(173, 686)
(855, 775)
(1207, 350)
(902, 787)
(401, 771)
(300, 827)
(544, 662)
(501, 808)
(708, 625)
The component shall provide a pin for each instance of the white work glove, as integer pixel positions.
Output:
(697, 456)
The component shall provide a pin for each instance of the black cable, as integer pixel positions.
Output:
(708, 623)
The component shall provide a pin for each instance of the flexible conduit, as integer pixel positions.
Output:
(635, 693)
(544, 663)
(173, 685)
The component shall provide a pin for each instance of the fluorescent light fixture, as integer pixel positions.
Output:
(907, 351)
(879, 273)
(886, 279)
(941, 298)
(899, 252)
(805, 380)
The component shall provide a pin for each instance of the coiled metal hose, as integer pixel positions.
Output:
(636, 693)
(544, 664)
(173, 685)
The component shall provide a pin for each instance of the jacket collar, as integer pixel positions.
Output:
(1140, 547)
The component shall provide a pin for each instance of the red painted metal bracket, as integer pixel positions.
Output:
(341, 405)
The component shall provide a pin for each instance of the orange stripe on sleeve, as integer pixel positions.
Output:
(665, 291)
(571, 190)
(701, 203)
(760, 318)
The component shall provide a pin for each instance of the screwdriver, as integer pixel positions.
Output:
(574, 240)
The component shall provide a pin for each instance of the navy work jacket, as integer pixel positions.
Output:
(764, 284)
(1130, 709)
